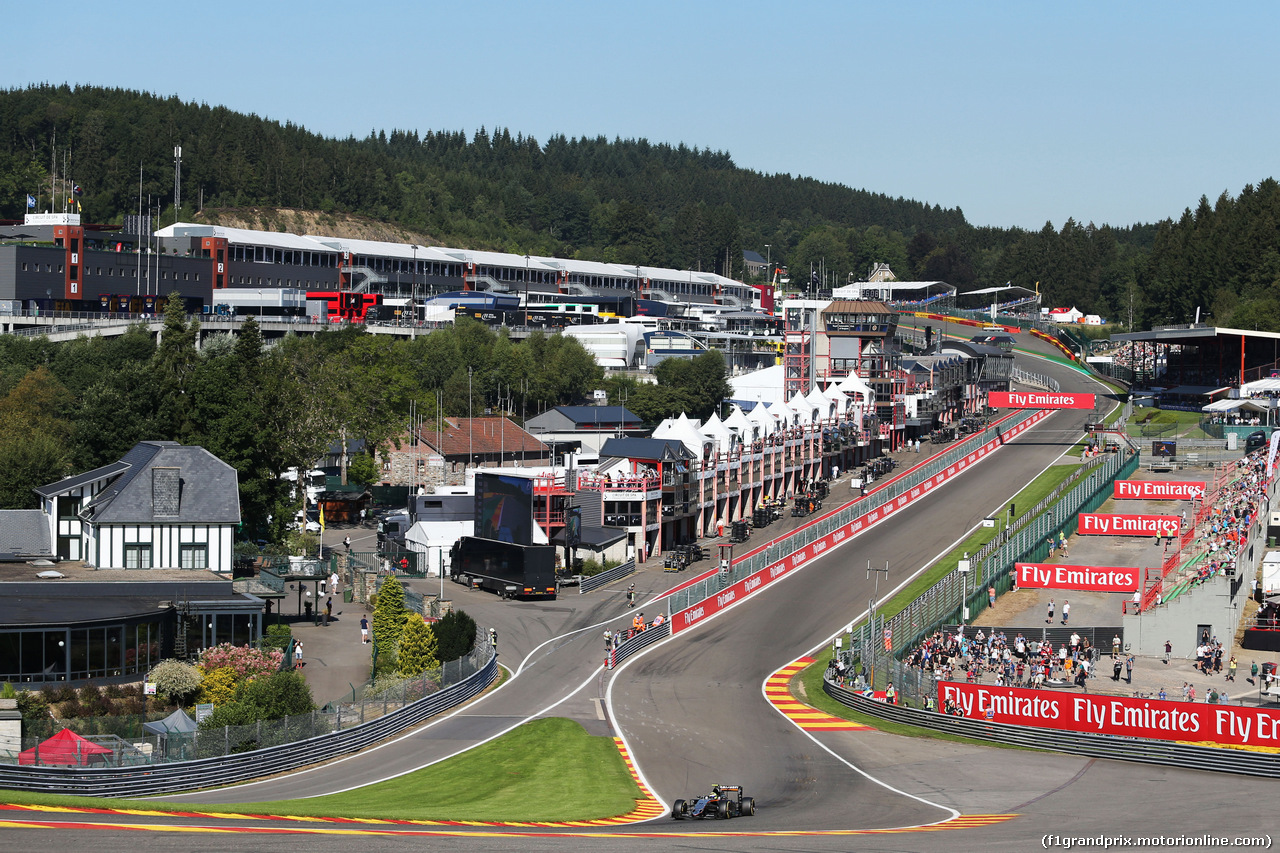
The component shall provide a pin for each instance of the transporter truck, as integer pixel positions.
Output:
(512, 571)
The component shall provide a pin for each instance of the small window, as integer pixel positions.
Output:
(137, 556)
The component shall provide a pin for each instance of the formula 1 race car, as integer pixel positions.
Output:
(724, 801)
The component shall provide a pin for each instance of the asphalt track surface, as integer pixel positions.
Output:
(692, 712)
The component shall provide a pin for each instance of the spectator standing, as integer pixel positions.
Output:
(1049, 621)
(1115, 669)
(1168, 650)
(1115, 646)
(364, 629)
(1231, 669)
(1066, 610)
(1128, 669)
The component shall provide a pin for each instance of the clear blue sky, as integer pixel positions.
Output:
(1018, 113)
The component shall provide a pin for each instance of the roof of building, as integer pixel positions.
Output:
(465, 436)
(858, 306)
(645, 448)
(77, 480)
(753, 257)
(587, 415)
(23, 533)
(187, 485)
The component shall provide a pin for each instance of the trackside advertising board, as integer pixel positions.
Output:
(1039, 400)
(1186, 722)
(1091, 578)
(1158, 490)
(692, 615)
(1104, 524)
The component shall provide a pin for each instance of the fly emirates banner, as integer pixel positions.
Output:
(1189, 722)
(1090, 578)
(1158, 490)
(1039, 400)
(1105, 524)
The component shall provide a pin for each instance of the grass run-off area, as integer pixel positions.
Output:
(544, 770)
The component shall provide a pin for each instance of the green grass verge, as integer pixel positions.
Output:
(545, 770)
(1031, 495)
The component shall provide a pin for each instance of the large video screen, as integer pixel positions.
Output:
(504, 508)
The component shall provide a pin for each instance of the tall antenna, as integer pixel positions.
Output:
(177, 181)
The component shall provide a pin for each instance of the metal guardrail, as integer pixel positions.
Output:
(241, 767)
(1026, 377)
(1075, 743)
(640, 641)
(597, 581)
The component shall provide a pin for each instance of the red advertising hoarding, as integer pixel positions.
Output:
(1187, 722)
(1039, 400)
(1090, 578)
(1158, 490)
(1106, 524)
(692, 615)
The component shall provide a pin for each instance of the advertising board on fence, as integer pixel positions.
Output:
(1090, 578)
(1106, 524)
(1158, 490)
(1039, 400)
(1185, 722)
(711, 605)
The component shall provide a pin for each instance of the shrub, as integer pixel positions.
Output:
(93, 703)
(58, 693)
(417, 647)
(388, 616)
(455, 635)
(244, 661)
(219, 685)
(267, 697)
(277, 637)
(176, 680)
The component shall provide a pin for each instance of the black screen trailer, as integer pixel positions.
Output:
(510, 570)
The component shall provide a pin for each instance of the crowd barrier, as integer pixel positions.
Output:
(1180, 755)
(597, 581)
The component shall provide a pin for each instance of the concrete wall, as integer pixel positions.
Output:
(1217, 603)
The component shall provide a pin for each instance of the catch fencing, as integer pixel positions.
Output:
(880, 641)
(246, 756)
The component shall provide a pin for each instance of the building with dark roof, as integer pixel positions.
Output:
(462, 443)
(587, 426)
(164, 505)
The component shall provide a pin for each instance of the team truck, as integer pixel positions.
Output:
(524, 571)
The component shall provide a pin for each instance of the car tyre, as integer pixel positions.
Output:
(679, 810)
(722, 810)
(748, 806)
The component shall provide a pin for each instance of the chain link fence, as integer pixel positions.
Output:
(878, 642)
(127, 744)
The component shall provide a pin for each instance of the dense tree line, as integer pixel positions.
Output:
(627, 201)
(75, 406)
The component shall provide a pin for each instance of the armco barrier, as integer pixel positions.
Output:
(224, 770)
(639, 641)
(597, 581)
(1076, 743)
(766, 565)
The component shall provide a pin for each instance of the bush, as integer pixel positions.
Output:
(267, 697)
(176, 680)
(417, 647)
(219, 685)
(244, 661)
(92, 702)
(58, 693)
(277, 637)
(455, 635)
(388, 616)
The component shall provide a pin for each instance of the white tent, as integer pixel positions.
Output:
(799, 405)
(766, 385)
(1234, 405)
(738, 424)
(857, 388)
(715, 430)
(679, 429)
(821, 403)
(782, 415)
(763, 421)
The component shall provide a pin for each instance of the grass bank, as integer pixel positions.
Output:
(545, 770)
